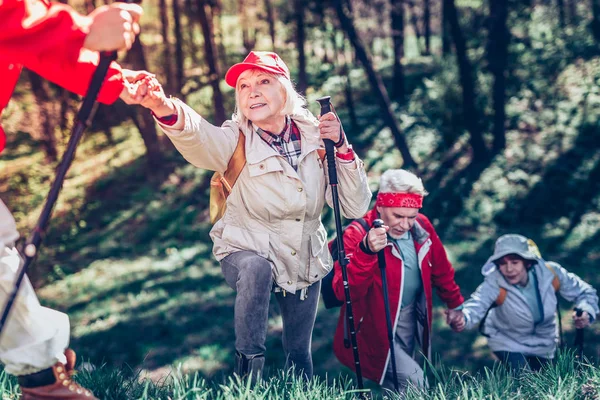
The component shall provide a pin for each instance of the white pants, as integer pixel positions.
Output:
(34, 337)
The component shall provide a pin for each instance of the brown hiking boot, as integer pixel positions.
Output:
(54, 383)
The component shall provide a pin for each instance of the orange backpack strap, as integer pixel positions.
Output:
(222, 184)
(235, 165)
(501, 297)
(555, 281)
(321, 153)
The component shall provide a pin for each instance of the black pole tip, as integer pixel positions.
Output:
(378, 223)
(324, 100)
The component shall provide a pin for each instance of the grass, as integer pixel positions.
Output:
(567, 378)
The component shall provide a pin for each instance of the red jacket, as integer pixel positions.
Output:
(364, 279)
(47, 38)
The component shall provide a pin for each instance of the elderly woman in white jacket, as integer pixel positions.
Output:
(270, 238)
(522, 330)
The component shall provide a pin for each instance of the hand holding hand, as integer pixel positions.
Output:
(582, 321)
(113, 27)
(456, 320)
(134, 90)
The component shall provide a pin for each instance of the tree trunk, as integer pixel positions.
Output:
(179, 63)
(271, 22)
(191, 27)
(216, 11)
(498, 59)
(376, 83)
(46, 120)
(414, 19)
(137, 61)
(573, 11)
(340, 52)
(248, 38)
(211, 59)
(300, 42)
(561, 12)
(595, 25)
(397, 21)
(445, 31)
(470, 113)
(427, 26)
(167, 58)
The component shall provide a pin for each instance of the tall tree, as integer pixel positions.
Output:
(445, 30)
(271, 22)
(300, 45)
(595, 25)
(561, 12)
(248, 32)
(216, 7)
(179, 65)
(211, 59)
(427, 25)
(190, 12)
(164, 30)
(470, 112)
(144, 120)
(414, 20)
(499, 38)
(397, 25)
(376, 82)
(573, 11)
(46, 120)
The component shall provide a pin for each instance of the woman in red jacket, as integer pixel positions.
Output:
(416, 262)
(60, 45)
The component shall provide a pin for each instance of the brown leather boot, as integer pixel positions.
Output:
(54, 383)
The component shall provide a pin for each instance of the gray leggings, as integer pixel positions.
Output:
(250, 275)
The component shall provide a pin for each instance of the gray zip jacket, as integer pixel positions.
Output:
(510, 326)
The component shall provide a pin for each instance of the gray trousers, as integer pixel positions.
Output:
(250, 275)
(407, 369)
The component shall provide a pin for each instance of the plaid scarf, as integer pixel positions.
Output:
(287, 143)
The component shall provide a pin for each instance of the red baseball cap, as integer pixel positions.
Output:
(265, 60)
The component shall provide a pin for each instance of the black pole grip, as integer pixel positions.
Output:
(378, 223)
(579, 335)
(329, 145)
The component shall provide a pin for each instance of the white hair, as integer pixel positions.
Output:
(401, 181)
(294, 101)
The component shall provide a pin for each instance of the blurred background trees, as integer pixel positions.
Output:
(495, 103)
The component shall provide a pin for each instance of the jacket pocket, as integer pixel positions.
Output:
(242, 239)
(271, 164)
(320, 260)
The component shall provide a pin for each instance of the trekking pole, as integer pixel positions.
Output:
(84, 119)
(578, 343)
(386, 302)
(342, 259)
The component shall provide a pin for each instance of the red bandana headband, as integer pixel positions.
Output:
(408, 200)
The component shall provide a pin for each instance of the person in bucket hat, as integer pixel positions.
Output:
(517, 301)
(270, 238)
(416, 263)
(60, 45)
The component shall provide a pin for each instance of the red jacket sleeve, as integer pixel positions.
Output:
(47, 38)
(361, 268)
(442, 272)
